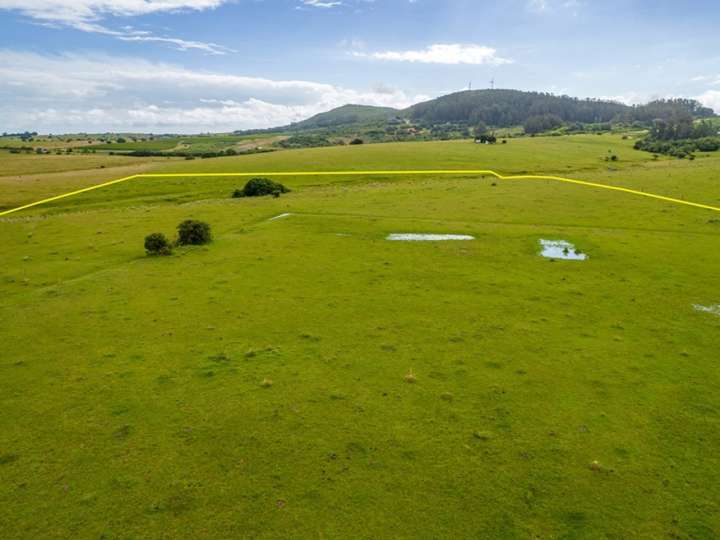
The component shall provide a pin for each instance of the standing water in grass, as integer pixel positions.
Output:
(560, 249)
(406, 237)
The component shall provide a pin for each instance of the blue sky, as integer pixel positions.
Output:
(218, 65)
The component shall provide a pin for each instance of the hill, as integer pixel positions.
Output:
(505, 108)
(347, 115)
(459, 115)
(501, 108)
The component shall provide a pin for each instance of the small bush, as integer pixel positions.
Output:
(157, 244)
(357, 141)
(193, 233)
(260, 187)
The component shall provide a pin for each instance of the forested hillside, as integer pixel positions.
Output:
(505, 108)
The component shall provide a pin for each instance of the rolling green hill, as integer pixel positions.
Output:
(504, 108)
(347, 115)
(501, 108)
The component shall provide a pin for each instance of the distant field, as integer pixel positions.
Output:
(519, 155)
(551, 399)
(50, 143)
(22, 164)
(29, 177)
(157, 145)
(541, 154)
(192, 143)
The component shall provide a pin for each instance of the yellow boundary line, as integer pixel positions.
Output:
(365, 173)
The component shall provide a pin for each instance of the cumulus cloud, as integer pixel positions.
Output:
(71, 92)
(629, 98)
(710, 98)
(87, 16)
(442, 53)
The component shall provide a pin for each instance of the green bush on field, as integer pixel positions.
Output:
(679, 148)
(260, 187)
(157, 244)
(193, 233)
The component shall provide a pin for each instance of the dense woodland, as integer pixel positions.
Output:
(506, 108)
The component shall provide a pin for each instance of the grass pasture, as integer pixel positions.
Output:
(190, 143)
(556, 399)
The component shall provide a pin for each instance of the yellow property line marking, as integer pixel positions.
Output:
(366, 173)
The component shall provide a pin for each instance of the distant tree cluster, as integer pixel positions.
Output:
(679, 148)
(25, 136)
(681, 126)
(193, 155)
(305, 141)
(665, 109)
(679, 135)
(542, 123)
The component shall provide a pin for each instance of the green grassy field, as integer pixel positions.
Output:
(193, 143)
(553, 399)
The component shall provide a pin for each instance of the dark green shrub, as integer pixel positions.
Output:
(259, 187)
(193, 233)
(357, 141)
(157, 244)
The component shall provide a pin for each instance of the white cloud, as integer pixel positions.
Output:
(442, 53)
(629, 98)
(710, 98)
(546, 6)
(538, 5)
(72, 92)
(321, 3)
(713, 80)
(87, 16)
(74, 11)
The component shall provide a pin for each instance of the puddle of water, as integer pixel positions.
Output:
(406, 237)
(715, 310)
(280, 216)
(560, 249)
